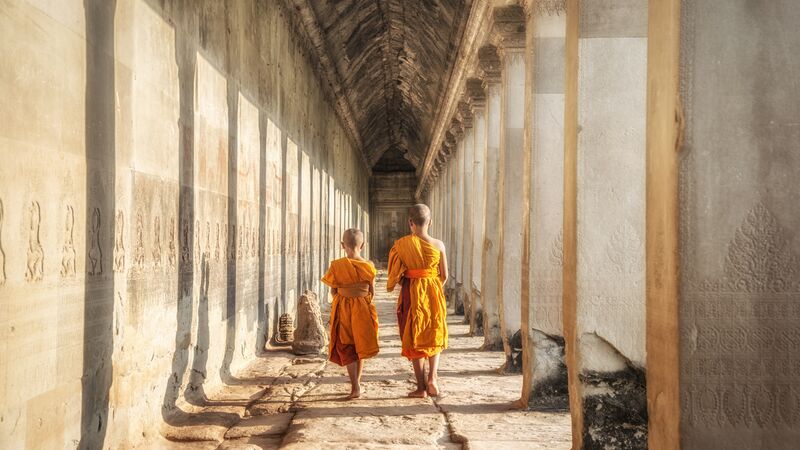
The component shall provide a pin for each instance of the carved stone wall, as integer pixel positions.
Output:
(739, 254)
(160, 162)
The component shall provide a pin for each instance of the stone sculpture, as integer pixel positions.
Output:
(68, 257)
(95, 251)
(309, 337)
(119, 243)
(34, 268)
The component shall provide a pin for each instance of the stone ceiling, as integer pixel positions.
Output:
(388, 62)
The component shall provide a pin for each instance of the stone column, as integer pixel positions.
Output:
(544, 371)
(490, 66)
(477, 103)
(458, 218)
(465, 243)
(604, 292)
(509, 29)
(450, 148)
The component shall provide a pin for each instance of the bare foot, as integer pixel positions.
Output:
(419, 393)
(355, 393)
(433, 389)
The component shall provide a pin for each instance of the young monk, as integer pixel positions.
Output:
(354, 320)
(418, 262)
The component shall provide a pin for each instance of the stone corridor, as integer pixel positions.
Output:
(294, 402)
(615, 182)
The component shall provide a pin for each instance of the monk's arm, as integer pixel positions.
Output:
(443, 267)
(372, 286)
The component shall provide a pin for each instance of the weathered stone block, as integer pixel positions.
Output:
(310, 337)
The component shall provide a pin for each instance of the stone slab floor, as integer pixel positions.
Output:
(284, 401)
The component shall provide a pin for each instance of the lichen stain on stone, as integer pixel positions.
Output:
(615, 409)
(550, 389)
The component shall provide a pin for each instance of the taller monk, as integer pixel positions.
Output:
(418, 263)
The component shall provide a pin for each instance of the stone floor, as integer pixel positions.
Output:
(283, 401)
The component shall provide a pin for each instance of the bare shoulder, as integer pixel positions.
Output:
(439, 244)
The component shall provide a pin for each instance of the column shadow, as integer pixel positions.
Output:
(98, 312)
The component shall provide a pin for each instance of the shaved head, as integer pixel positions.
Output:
(353, 238)
(419, 214)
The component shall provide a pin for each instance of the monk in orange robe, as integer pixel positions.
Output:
(354, 320)
(418, 263)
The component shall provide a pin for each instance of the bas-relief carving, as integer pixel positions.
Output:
(224, 243)
(216, 246)
(186, 254)
(625, 249)
(34, 268)
(157, 243)
(95, 250)
(207, 251)
(2, 253)
(68, 252)
(172, 251)
(197, 247)
(741, 338)
(138, 249)
(119, 242)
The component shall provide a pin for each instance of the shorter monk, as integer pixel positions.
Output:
(418, 263)
(354, 320)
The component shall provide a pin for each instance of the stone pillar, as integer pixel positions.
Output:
(490, 66)
(477, 100)
(458, 218)
(467, 202)
(544, 371)
(604, 292)
(509, 26)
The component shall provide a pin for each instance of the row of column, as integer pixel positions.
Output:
(612, 191)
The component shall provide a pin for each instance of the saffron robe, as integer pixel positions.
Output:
(421, 308)
(354, 320)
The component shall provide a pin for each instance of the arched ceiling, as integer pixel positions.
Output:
(392, 59)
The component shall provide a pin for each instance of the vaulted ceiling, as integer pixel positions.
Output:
(390, 61)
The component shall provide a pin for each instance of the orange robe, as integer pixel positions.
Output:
(421, 308)
(354, 320)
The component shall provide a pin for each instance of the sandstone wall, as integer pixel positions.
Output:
(184, 179)
(739, 249)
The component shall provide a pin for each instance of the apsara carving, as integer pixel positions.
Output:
(35, 265)
(95, 251)
(68, 252)
(119, 242)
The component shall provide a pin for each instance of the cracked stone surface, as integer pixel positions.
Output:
(298, 403)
